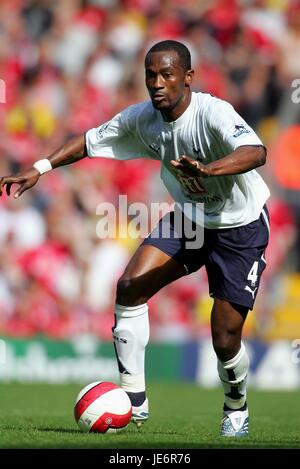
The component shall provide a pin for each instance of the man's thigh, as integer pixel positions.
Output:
(237, 262)
(180, 239)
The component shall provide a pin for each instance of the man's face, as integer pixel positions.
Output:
(167, 82)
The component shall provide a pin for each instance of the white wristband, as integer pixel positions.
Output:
(43, 166)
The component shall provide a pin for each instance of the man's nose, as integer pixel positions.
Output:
(157, 82)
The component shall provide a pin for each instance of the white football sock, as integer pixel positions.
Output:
(233, 374)
(131, 335)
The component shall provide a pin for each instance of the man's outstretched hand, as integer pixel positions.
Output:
(190, 167)
(25, 180)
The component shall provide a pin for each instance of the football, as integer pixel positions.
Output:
(102, 407)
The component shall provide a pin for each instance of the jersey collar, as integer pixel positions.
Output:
(183, 119)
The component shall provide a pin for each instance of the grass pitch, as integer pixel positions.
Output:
(182, 416)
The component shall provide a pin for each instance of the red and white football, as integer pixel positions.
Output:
(102, 407)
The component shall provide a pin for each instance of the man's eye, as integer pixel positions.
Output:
(167, 75)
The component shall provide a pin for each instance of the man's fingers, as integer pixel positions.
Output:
(24, 182)
(3, 182)
(8, 187)
(185, 158)
(12, 179)
(187, 165)
(21, 189)
(177, 165)
(186, 161)
(7, 182)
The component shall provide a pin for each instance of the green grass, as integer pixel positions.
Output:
(182, 416)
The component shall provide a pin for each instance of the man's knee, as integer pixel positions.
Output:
(226, 345)
(226, 326)
(129, 293)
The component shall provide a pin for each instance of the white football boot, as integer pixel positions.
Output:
(235, 423)
(140, 414)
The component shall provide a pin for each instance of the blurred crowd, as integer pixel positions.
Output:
(69, 65)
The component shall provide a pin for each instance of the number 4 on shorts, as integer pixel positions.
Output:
(252, 276)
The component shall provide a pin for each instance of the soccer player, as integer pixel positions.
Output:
(208, 157)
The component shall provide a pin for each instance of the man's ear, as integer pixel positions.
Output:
(189, 75)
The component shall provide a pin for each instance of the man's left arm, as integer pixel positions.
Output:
(243, 159)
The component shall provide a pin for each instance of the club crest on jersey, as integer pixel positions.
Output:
(197, 153)
(238, 130)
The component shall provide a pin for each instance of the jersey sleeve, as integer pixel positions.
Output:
(230, 127)
(117, 139)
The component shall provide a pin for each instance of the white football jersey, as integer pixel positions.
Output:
(208, 130)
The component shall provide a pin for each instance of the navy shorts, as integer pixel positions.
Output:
(233, 257)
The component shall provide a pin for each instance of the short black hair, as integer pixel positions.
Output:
(182, 51)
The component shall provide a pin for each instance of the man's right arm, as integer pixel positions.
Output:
(72, 151)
